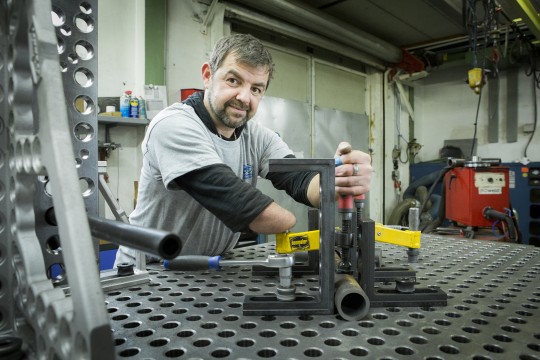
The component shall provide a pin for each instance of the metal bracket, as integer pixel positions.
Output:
(209, 15)
(381, 297)
(323, 302)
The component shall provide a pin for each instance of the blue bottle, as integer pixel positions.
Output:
(134, 107)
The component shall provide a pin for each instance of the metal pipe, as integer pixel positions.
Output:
(414, 219)
(151, 241)
(352, 303)
(452, 162)
(319, 22)
(251, 17)
(114, 205)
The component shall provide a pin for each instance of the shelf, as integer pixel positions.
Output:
(116, 120)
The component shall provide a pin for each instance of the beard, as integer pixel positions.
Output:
(229, 120)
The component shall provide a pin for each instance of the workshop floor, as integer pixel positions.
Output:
(492, 313)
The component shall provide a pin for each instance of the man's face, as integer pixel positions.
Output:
(233, 92)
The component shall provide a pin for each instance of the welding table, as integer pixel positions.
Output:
(492, 313)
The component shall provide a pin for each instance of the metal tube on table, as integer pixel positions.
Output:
(160, 243)
(352, 303)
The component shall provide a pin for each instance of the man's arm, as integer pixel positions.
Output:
(273, 220)
(236, 203)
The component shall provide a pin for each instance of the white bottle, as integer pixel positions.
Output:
(124, 103)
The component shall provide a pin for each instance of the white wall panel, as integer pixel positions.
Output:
(291, 76)
(336, 88)
(120, 47)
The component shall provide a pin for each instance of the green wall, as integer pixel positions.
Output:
(154, 42)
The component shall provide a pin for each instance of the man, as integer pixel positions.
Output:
(202, 158)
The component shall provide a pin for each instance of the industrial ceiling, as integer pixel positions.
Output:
(408, 23)
(381, 30)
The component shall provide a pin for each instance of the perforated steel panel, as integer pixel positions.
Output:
(492, 313)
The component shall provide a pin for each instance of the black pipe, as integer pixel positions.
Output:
(351, 302)
(160, 243)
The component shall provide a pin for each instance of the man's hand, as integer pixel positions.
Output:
(354, 176)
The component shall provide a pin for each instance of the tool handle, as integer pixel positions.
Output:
(193, 262)
(345, 202)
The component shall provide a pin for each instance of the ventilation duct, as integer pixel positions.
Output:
(318, 22)
(246, 15)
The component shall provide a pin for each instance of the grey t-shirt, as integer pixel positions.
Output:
(178, 142)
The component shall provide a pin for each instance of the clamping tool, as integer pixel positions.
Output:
(397, 236)
(346, 236)
(289, 242)
(283, 262)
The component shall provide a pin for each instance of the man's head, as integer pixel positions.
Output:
(247, 49)
(236, 78)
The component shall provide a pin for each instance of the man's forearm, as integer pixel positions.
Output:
(273, 220)
(313, 192)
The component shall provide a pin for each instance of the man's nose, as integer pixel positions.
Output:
(244, 94)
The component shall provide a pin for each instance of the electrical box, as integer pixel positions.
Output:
(470, 190)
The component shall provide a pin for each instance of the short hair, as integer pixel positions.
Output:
(247, 50)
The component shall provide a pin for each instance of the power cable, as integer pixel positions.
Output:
(535, 107)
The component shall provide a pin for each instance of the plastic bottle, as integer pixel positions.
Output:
(124, 103)
(134, 107)
(142, 108)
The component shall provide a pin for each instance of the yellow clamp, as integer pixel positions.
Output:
(288, 242)
(407, 238)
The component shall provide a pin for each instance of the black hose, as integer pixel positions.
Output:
(421, 194)
(400, 210)
(490, 213)
(441, 174)
(425, 180)
(441, 214)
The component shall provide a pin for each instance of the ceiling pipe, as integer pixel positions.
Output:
(243, 14)
(319, 22)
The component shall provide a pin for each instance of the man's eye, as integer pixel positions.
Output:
(257, 91)
(232, 81)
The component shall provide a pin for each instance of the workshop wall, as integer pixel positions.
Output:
(446, 109)
(121, 54)
(186, 46)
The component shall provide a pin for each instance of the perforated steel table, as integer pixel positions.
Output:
(492, 312)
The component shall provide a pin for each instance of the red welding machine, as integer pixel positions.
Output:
(472, 187)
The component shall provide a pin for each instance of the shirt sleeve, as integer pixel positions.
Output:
(295, 183)
(175, 154)
(233, 201)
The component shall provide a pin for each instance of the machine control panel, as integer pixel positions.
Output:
(489, 182)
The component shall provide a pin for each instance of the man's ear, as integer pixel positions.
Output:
(206, 74)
